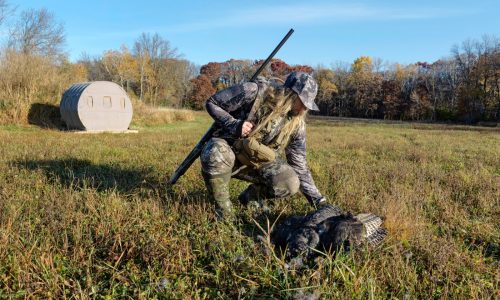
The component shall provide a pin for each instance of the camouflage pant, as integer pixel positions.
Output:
(275, 180)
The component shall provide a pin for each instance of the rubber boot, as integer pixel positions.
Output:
(218, 188)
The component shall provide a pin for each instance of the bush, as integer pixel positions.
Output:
(27, 79)
(145, 115)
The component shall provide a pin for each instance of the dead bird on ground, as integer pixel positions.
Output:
(327, 229)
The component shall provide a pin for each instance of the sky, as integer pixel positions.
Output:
(326, 32)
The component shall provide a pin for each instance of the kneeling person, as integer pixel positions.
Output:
(248, 149)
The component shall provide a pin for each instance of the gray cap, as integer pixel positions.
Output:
(305, 86)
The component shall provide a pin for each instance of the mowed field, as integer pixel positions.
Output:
(91, 216)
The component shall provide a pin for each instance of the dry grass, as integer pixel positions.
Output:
(26, 80)
(150, 116)
(47, 115)
(83, 216)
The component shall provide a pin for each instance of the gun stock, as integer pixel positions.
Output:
(195, 153)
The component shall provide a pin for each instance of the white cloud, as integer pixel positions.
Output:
(289, 15)
(309, 14)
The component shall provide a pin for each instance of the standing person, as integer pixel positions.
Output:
(248, 149)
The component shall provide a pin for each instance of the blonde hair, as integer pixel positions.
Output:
(277, 103)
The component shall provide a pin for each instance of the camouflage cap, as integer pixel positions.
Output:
(305, 86)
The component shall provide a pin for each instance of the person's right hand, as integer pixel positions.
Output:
(246, 128)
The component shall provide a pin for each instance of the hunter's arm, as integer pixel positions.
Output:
(295, 153)
(223, 103)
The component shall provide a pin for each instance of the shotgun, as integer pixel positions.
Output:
(195, 153)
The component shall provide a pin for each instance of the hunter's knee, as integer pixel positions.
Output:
(286, 183)
(217, 157)
(293, 184)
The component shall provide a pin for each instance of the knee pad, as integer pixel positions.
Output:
(286, 183)
(292, 183)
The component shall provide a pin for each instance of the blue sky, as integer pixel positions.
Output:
(325, 31)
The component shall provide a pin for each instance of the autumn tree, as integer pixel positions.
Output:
(33, 65)
(110, 61)
(34, 57)
(120, 66)
(234, 71)
(176, 75)
(341, 101)
(201, 90)
(302, 68)
(152, 53)
(391, 98)
(127, 68)
(477, 65)
(326, 89)
(152, 71)
(279, 68)
(228, 73)
(446, 77)
(417, 102)
(488, 72)
(365, 87)
(213, 71)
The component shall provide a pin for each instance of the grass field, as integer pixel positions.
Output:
(91, 216)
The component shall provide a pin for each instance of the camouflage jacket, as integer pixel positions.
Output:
(230, 107)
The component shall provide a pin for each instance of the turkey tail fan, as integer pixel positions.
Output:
(374, 233)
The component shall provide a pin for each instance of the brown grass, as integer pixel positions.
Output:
(47, 115)
(91, 216)
(145, 115)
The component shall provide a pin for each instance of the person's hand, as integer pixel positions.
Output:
(246, 128)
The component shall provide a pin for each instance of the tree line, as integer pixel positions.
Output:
(34, 67)
(462, 87)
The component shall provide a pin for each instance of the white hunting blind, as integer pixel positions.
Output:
(96, 106)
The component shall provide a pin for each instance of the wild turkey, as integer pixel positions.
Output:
(327, 229)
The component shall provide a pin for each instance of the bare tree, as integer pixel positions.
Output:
(37, 33)
(153, 52)
(5, 10)
(155, 46)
